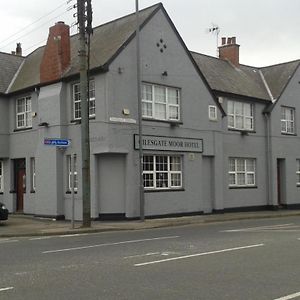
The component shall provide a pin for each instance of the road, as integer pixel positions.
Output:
(253, 259)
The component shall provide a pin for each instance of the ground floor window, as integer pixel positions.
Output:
(162, 172)
(298, 172)
(242, 172)
(72, 169)
(1, 176)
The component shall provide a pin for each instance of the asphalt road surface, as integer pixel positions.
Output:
(254, 259)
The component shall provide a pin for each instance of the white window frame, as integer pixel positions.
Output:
(1, 177)
(298, 172)
(155, 103)
(244, 174)
(77, 100)
(234, 115)
(171, 173)
(69, 166)
(23, 116)
(287, 120)
(212, 113)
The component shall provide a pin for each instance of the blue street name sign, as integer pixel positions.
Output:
(57, 142)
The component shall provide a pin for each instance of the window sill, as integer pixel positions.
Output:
(242, 131)
(171, 122)
(78, 121)
(243, 187)
(288, 134)
(22, 129)
(164, 190)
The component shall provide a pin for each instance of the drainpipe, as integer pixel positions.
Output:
(269, 159)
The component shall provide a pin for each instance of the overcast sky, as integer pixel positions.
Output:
(267, 30)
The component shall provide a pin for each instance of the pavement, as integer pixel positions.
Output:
(26, 225)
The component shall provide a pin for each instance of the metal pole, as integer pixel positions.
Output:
(138, 63)
(72, 162)
(85, 143)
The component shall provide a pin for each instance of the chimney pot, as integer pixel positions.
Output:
(223, 40)
(229, 41)
(19, 49)
(233, 39)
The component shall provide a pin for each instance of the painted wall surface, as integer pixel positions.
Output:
(251, 145)
(286, 147)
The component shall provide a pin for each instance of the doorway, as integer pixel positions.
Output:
(20, 182)
(281, 182)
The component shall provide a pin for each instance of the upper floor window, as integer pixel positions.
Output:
(1, 176)
(242, 172)
(287, 120)
(162, 172)
(240, 115)
(23, 110)
(160, 102)
(77, 100)
(212, 112)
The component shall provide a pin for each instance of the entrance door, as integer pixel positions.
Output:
(281, 181)
(20, 180)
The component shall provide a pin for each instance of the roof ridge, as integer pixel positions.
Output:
(282, 63)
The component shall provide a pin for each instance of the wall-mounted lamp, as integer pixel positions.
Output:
(165, 73)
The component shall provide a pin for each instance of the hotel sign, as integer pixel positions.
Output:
(163, 143)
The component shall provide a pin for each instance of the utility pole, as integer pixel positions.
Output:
(84, 96)
(138, 63)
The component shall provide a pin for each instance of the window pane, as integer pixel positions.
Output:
(161, 180)
(147, 92)
(160, 111)
(232, 179)
(148, 180)
(174, 112)
(173, 96)
(250, 179)
(175, 163)
(160, 94)
(238, 108)
(230, 107)
(176, 180)
(241, 179)
(240, 165)
(231, 164)
(161, 163)
(230, 121)
(147, 109)
(21, 105)
(148, 163)
(250, 165)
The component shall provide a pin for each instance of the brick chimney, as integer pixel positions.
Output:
(57, 55)
(230, 50)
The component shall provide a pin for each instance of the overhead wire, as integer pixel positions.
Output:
(36, 28)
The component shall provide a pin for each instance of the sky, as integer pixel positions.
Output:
(266, 30)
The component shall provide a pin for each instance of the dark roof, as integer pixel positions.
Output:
(106, 42)
(246, 81)
(278, 76)
(9, 66)
(224, 77)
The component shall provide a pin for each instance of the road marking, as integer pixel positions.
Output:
(292, 296)
(111, 244)
(142, 255)
(197, 254)
(40, 238)
(6, 289)
(280, 226)
(72, 235)
(5, 241)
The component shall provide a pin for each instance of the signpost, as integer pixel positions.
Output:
(65, 143)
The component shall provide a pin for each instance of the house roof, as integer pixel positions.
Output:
(9, 65)
(247, 81)
(278, 76)
(106, 42)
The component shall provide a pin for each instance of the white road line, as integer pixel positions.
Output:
(197, 254)
(111, 244)
(72, 235)
(8, 241)
(259, 228)
(141, 255)
(40, 238)
(292, 296)
(6, 289)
